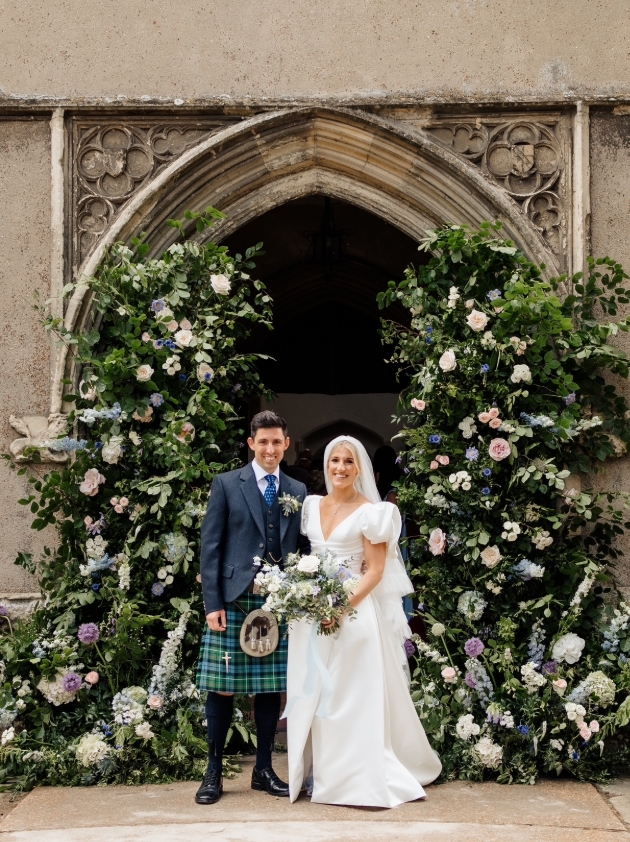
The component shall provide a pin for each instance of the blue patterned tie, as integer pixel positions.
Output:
(270, 491)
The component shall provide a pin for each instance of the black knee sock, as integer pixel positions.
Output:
(266, 714)
(219, 717)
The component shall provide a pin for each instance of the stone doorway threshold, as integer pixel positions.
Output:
(551, 811)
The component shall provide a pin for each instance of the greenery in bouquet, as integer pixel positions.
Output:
(511, 411)
(314, 587)
(98, 685)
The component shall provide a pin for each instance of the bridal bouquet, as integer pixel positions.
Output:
(313, 587)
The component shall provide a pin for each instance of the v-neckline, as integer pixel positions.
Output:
(321, 526)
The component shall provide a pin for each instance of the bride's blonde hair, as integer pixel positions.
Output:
(352, 448)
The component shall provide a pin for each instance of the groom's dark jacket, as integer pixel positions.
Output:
(240, 525)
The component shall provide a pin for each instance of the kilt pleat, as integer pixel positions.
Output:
(244, 674)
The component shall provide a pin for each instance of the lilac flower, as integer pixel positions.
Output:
(494, 294)
(570, 399)
(487, 472)
(486, 491)
(524, 729)
(551, 667)
(95, 527)
(88, 633)
(72, 682)
(472, 454)
(315, 590)
(435, 439)
(470, 681)
(409, 648)
(158, 305)
(485, 368)
(3, 611)
(473, 647)
(237, 387)
(156, 399)
(157, 589)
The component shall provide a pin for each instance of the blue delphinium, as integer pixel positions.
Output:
(524, 729)
(66, 445)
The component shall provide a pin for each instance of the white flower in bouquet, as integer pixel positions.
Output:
(568, 648)
(204, 373)
(92, 749)
(521, 374)
(488, 340)
(596, 687)
(466, 727)
(350, 585)
(112, 449)
(308, 564)
(488, 752)
(476, 320)
(448, 361)
(8, 735)
(437, 541)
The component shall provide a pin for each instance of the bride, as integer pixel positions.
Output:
(351, 724)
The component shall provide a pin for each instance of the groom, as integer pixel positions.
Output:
(244, 523)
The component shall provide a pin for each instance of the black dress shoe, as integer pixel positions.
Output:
(211, 788)
(266, 780)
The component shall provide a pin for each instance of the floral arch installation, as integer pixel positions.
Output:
(393, 170)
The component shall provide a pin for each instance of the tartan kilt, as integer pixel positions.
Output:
(245, 675)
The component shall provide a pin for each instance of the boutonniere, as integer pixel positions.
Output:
(289, 504)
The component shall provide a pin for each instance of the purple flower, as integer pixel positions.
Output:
(473, 647)
(88, 633)
(487, 472)
(409, 648)
(486, 491)
(551, 667)
(156, 399)
(524, 729)
(472, 454)
(158, 305)
(570, 399)
(485, 368)
(96, 587)
(494, 294)
(3, 611)
(72, 682)
(315, 590)
(470, 681)
(435, 439)
(157, 589)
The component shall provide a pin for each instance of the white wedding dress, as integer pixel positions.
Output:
(355, 730)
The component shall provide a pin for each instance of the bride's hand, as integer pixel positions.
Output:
(328, 624)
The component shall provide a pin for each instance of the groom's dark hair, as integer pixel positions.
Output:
(267, 420)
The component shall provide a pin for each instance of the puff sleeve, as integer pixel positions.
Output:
(309, 501)
(382, 525)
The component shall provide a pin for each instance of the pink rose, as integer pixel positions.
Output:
(499, 449)
(434, 465)
(559, 685)
(92, 677)
(494, 412)
(470, 303)
(496, 423)
(418, 404)
(484, 417)
(91, 482)
(124, 502)
(88, 521)
(187, 433)
(118, 509)
(154, 702)
(185, 324)
(437, 542)
(114, 501)
(148, 415)
(585, 732)
(443, 460)
(594, 726)
(449, 675)
(146, 337)
(172, 326)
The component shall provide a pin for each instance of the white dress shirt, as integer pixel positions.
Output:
(261, 477)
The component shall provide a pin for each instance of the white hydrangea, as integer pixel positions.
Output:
(532, 679)
(466, 727)
(54, 692)
(488, 752)
(568, 648)
(92, 749)
(521, 374)
(471, 604)
(596, 686)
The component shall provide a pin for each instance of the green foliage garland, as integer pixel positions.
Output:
(510, 413)
(98, 685)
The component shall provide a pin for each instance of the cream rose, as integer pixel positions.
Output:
(172, 325)
(521, 374)
(437, 542)
(148, 415)
(183, 338)
(499, 449)
(308, 564)
(434, 465)
(91, 482)
(448, 361)
(443, 460)
(495, 423)
(491, 556)
(112, 450)
(220, 284)
(185, 324)
(476, 320)
(154, 702)
(144, 373)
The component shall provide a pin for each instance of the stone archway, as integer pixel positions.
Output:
(397, 172)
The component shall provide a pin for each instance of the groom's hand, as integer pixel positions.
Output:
(216, 620)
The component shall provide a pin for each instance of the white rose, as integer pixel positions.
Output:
(568, 648)
(350, 585)
(135, 438)
(308, 564)
(491, 556)
(447, 361)
(144, 373)
(220, 284)
(112, 450)
(144, 730)
(183, 338)
(204, 373)
(521, 373)
(476, 320)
